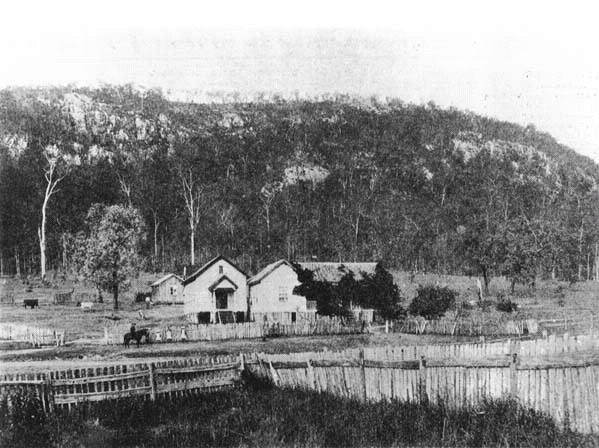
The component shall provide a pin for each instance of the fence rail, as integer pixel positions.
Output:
(558, 376)
(69, 387)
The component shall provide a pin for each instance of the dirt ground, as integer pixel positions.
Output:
(21, 358)
(85, 329)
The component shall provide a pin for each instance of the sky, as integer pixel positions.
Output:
(524, 62)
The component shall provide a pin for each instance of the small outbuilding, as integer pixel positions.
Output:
(168, 289)
(216, 293)
(272, 297)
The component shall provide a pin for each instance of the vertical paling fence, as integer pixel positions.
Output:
(173, 378)
(558, 376)
(247, 330)
(37, 336)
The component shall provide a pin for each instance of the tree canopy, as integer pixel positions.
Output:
(108, 255)
(342, 178)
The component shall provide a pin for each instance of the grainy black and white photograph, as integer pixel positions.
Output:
(322, 224)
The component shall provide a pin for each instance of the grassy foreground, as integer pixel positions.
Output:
(260, 415)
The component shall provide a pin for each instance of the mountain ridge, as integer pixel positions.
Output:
(342, 179)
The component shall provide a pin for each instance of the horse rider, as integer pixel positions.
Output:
(133, 330)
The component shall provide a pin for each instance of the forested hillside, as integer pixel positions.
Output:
(341, 179)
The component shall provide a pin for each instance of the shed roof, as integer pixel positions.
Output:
(334, 272)
(165, 278)
(199, 272)
(266, 271)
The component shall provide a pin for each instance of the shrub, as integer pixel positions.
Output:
(431, 302)
(377, 291)
(141, 296)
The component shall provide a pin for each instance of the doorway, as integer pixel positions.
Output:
(222, 299)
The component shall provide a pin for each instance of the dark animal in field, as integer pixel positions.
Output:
(32, 303)
(137, 336)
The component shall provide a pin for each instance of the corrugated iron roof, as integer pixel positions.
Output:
(334, 272)
(197, 273)
(165, 278)
(267, 271)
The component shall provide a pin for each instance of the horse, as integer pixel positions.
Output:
(137, 337)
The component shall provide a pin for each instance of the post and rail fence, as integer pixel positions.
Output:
(104, 382)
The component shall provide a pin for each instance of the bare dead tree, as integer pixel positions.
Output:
(193, 193)
(57, 168)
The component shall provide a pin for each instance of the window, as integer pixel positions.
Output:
(220, 269)
(282, 294)
(173, 290)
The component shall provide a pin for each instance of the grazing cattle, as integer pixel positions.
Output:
(87, 306)
(32, 303)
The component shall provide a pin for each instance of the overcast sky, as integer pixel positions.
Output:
(521, 63)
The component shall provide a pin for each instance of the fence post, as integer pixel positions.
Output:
(152, 382)
(49, 394)
(311, 376)
(241, 363)
(274, 375)
(514, 374)
(422, 380)
(363, 375)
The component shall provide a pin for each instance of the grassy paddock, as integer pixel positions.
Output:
(550, 300)
(260, 415)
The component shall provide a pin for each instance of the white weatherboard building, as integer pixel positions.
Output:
(168, 289)
(216, 293)
(272, 297)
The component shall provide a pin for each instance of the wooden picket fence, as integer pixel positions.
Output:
(558, 376)
(467, 327)
(246, 330)
(104, 382)
(37, 336)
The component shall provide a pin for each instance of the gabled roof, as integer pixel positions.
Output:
(267, 271)
(165, 278)
(229, 284)
(333, 272)
(215, 260)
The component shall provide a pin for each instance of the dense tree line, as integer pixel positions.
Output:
(342, 179)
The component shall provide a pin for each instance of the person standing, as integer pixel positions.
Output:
(183, 334)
